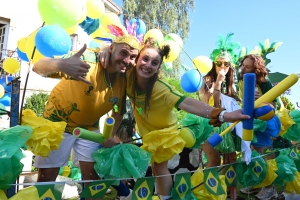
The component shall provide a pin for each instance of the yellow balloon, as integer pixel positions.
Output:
(100, 32)
(174, 37)
(95, 8)
(110, 19)
(202, 63)
(72, 29)
(2, 91)
(188, 136)
(156, 34)
(82, 16)
(30, 47)
(11, 65)
(174, 52)
(22, 44)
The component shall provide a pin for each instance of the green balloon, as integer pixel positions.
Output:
(65, 13)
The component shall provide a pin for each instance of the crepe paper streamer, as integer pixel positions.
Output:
(108, 127)
(270, 95)
(248, 105)
(88, 135)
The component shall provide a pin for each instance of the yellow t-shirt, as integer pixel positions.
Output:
(80, 104)
(160, 115)
(210, 101)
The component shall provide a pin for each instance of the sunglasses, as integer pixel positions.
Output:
(219, 64)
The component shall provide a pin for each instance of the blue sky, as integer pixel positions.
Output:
(251, 22)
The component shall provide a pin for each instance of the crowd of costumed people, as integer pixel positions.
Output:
(260, 152)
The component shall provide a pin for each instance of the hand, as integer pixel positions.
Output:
(257, 95)
(235, 116)
(104, 56)
(109, 142)
(221, 76)
(74, 66)
(211, 90)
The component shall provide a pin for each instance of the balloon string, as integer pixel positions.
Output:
(26, 81)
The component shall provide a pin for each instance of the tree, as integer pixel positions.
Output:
(36, 103)
(170, 16)
(287, 104)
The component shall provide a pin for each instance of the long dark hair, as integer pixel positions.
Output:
(229, 81)
(163, 51)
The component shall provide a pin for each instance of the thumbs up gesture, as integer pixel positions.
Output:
(74, 66)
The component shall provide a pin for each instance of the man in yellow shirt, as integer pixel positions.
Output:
(86, 92)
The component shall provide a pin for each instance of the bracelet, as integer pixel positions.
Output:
(217, 90)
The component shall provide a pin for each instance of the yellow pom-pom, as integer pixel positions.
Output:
(265, 111)
(188, 136)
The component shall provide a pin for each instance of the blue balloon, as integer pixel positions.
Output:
(191, 81)
(52, 41)
(22, 55)
(3, 83)
(5, 100)
(141, 26)
(94, 44)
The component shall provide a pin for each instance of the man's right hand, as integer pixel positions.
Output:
(74, 66)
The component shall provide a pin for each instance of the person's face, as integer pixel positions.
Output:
(148, 63)
(222, 64)
(247, 66)
(122, 57)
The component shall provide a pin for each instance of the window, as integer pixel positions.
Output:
(73, 42)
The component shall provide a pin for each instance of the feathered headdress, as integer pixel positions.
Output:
(127, 36)
(117, 34)
(226, 48)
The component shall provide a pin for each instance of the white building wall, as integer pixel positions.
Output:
(24, 18)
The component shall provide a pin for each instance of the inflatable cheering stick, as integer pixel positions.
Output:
(96, 137)
(248, 105)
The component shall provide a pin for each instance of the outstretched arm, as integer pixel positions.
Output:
(201, 109)
(72, 66)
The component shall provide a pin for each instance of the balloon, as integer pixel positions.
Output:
(52, 41)
(174, 52)
(264, 111)
(64, 13)
(30, 47)
(191, 81)
(2, 91)
(5, 100)
(22, 44)
(2, 109)
(140, 28)
(72, 29)
(22, 55)
(110, 19)
(174, 37)
(167, 66)
(95, 8)
(202, 63)
(156, 34)
(188, 136)
(100, 32)
(82, 16)
(94, 44)
(3, 83)
(11, 65)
